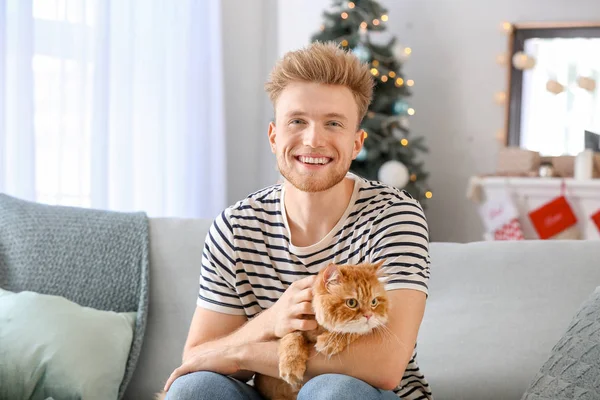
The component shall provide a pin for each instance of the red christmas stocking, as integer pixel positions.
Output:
(596, 219)
(555, 220)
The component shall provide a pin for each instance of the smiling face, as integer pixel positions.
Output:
(315, 136)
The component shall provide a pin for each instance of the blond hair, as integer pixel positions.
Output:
(323, 63)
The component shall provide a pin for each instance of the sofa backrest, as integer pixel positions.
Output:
(496, 309)
(175, 256)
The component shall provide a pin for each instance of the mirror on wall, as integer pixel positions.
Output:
(554, 86)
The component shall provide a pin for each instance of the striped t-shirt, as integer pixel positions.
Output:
(249, 261)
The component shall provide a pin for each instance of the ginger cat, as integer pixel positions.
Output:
(349, 301)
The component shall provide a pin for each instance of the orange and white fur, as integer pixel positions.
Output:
(348, 301)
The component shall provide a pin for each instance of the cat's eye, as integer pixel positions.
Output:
(374, 302)
(352, 303)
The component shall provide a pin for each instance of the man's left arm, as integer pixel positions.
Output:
(378, 358)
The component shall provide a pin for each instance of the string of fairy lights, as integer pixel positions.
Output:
(380, 72)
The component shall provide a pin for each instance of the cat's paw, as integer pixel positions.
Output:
(292, 371)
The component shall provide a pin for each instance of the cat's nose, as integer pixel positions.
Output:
(367, 316)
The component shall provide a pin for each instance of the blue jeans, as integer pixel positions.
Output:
(212, 386)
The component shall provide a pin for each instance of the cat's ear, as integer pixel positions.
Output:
(331, 275)
(376, 268)
(379, 272)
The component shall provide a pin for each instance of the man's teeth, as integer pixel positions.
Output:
(311, 160)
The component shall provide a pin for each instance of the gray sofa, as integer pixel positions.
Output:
(495, 309)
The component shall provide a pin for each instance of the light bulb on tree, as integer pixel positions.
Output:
(402, 53)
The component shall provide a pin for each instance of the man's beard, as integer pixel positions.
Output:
(309, 182)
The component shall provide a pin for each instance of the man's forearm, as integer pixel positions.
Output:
(372, 359)
(254, 330)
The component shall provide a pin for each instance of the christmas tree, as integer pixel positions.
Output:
(389, 153)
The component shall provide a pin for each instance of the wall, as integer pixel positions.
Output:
(455, 44)
(249, 51)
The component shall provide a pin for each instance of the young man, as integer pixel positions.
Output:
(261, 254)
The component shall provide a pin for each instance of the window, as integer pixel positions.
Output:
(63, 83)
(554, 124)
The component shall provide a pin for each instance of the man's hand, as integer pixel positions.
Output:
(222, 361)
(286, 315)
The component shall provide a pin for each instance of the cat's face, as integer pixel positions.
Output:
(350, 298)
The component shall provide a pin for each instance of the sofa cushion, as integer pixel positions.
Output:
(572, 370)
(52, 347)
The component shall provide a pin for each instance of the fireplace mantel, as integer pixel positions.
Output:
(531, 193)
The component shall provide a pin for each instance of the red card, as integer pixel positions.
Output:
(596, 219)
(553, 218)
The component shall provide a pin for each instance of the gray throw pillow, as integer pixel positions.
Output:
(573, 369)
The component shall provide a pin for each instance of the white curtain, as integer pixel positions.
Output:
(113, 104)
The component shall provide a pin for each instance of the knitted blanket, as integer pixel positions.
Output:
(98, 259)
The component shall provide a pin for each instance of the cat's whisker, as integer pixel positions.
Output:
(379, 332)
(386, 335)
(331, 338)
(388, 331)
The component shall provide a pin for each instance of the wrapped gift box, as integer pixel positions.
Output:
(514, 160)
